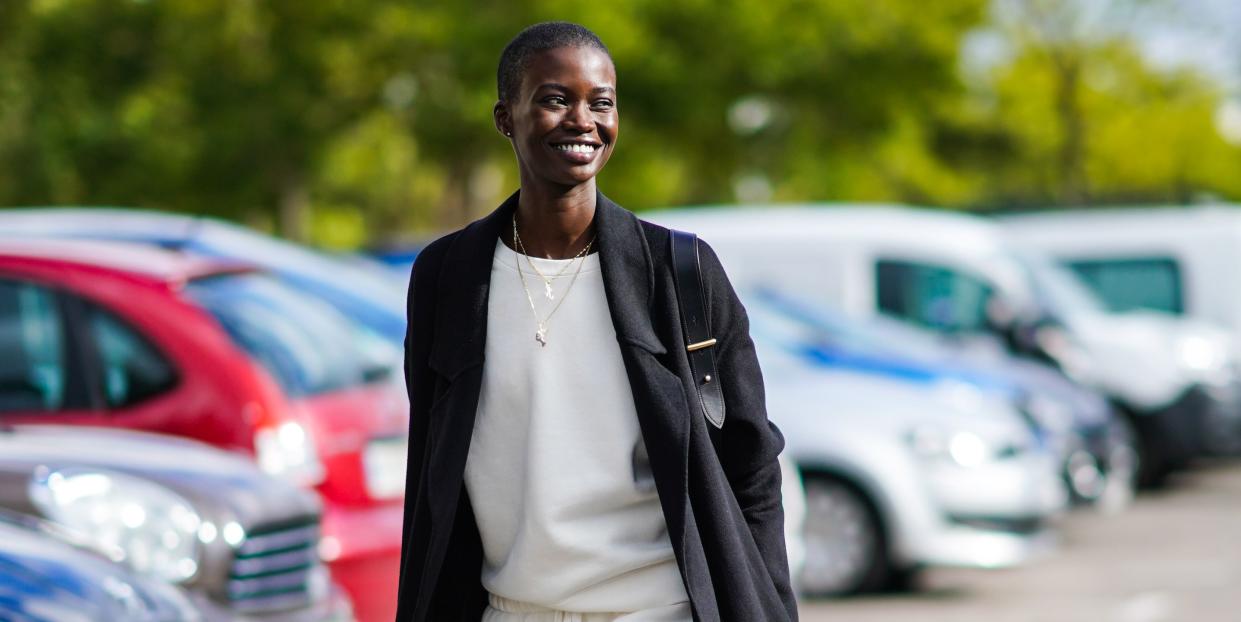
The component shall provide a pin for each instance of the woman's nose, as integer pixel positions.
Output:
(579, 118)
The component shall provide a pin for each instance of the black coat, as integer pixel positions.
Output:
(721, 502)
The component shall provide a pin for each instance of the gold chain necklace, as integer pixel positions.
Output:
(542, 325)
(547, 282)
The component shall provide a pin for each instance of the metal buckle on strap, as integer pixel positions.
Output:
(694, 347)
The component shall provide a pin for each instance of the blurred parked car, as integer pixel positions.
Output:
(1097, 446)
(44, 577)
(1164, 259)
(120, 335)
(793, 502)
(373, 298)
(398, 257)
(900, 475)
(1153, 260)
(1201, 354)
(959, 275)
(242, 543)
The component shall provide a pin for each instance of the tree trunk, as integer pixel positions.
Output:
(455, 208)
(294, 209)
(1073, 183)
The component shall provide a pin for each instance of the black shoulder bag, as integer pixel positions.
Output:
(696, 325)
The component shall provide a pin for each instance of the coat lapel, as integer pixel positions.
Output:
(461, 318)
(630, 284)
(628, 275)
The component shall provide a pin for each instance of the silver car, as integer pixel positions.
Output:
(243, 545)
(900, 475)
(46, 577)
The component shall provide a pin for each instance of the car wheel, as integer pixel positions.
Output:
(1123, 466)
(1086, 478)
(845, 550)
(1153, 463)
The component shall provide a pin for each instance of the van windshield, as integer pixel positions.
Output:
(305, 344)
(1059, 288)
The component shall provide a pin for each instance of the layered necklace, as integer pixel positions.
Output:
(542, 325)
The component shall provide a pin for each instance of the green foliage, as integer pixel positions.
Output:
(1077, 115)
(346, 121)
(1148, 136)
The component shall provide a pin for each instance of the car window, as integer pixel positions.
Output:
(304, 343)
(931, 295)
(33, 370)
(375, 288)
(1060, 289)
(1134, 283)
(131, 369)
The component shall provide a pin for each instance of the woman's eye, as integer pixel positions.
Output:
(554, 100)
(603, 104)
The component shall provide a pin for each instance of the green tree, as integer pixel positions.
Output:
(1077, 115)
(214, 107)
(323, 115)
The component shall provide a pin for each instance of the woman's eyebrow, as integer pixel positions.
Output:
(557, 85)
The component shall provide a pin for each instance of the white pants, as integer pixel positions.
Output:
(501, 609)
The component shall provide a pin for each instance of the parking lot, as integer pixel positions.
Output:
(1175, 555)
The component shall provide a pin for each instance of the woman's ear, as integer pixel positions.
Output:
(500, 115)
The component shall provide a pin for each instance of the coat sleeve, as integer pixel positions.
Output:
(749, 442)
(419, 383)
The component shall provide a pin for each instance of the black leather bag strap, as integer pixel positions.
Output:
(696, 325)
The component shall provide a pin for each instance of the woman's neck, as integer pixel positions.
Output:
(555, 223)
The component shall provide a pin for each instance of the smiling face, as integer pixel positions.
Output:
(563, 121)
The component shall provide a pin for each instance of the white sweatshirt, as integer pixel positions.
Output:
(557, 471)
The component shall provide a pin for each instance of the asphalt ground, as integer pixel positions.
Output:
(1174, 555)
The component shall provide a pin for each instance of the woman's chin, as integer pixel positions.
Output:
(575, 176)
(561, 174)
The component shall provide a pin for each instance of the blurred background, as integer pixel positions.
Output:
(986, 248)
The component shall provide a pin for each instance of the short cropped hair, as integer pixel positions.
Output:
(534, 39)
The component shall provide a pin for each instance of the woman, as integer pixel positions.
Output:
(558, 469)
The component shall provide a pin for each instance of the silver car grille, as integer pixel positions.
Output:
(273, 566)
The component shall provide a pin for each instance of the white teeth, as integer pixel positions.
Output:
(577, 148)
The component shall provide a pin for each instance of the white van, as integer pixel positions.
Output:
(1173, 260)
(959, 274)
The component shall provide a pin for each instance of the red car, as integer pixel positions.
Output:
(109, 334)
